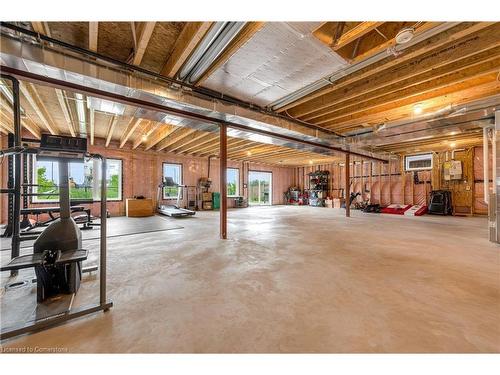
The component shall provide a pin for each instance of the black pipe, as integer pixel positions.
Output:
(196, 89)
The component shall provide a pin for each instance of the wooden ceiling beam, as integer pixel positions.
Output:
(139, 135)
(198, 143)
(387, 83)
(406, 98)
(239, 40)
(148, 128)
(302, 106)
(207, 146)
(93, 35)
(196, 136)
(145, 32)
(430, 106)
(214, 148)
(7, 123)
(187, 41)
(165, 131)
(30, 93)
(26, 122)
(41, 27)
(111, 129)
(413, 93)
(174, 138)
(131, 127)
(355, 33)
(65, 110)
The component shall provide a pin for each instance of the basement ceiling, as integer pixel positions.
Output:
(281, 58)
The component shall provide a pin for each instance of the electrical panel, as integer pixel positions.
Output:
(452, 170)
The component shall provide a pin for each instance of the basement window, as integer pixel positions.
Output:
(233, 182)
(175, 172)
(418, 162)
(84, 180)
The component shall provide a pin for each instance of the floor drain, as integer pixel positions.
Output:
(16, 285)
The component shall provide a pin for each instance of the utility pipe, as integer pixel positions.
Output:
(223, 180)
(494, 158)
(486, 174)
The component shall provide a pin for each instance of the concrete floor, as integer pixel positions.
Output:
(296, 279)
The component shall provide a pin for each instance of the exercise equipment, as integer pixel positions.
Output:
(396, 209)
(416, 210)
(440, 202)
(172, 210)
(57, 252)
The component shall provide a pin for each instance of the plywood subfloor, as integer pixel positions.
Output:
(296, 279)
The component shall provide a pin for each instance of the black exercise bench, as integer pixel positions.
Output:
(37, 211)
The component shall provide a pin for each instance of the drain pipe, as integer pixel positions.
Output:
(209, 159)
(486, 172)
(494, 159)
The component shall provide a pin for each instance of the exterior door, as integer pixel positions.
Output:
(260, 188)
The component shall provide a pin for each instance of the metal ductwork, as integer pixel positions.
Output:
(198, 112)
(211, 46)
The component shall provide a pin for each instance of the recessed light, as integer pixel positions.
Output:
(453, 133)
(310, 161)
(249, 153)
(418, 108)
(453, 144)
(144, 137)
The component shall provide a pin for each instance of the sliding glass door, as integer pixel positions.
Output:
(260, 188)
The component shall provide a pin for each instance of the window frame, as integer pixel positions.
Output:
(36, 200)
(237, 194)
(181, 166)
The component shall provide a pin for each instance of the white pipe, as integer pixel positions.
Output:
(486, 172)
(494, 157)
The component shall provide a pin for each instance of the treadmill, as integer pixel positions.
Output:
(173, 210)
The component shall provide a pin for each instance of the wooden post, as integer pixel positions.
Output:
(347, 187)
(223, 180)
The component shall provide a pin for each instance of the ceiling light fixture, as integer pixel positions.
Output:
(452, 144)
(310, 161)
(405, 35)
(249, 153)
(418, 109)
(144, 137)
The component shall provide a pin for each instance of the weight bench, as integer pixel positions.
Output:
(37, 211)
(41, 259)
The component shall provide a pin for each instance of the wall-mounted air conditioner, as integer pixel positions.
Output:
(418, 162)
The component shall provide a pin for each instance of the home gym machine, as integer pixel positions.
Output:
(172, 210)
(57, 252)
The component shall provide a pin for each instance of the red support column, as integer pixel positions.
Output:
(223, 180)
(347, 186)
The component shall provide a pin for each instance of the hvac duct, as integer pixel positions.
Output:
(212, 45)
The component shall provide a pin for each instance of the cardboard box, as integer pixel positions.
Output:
(206, 197)
(207, 205)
